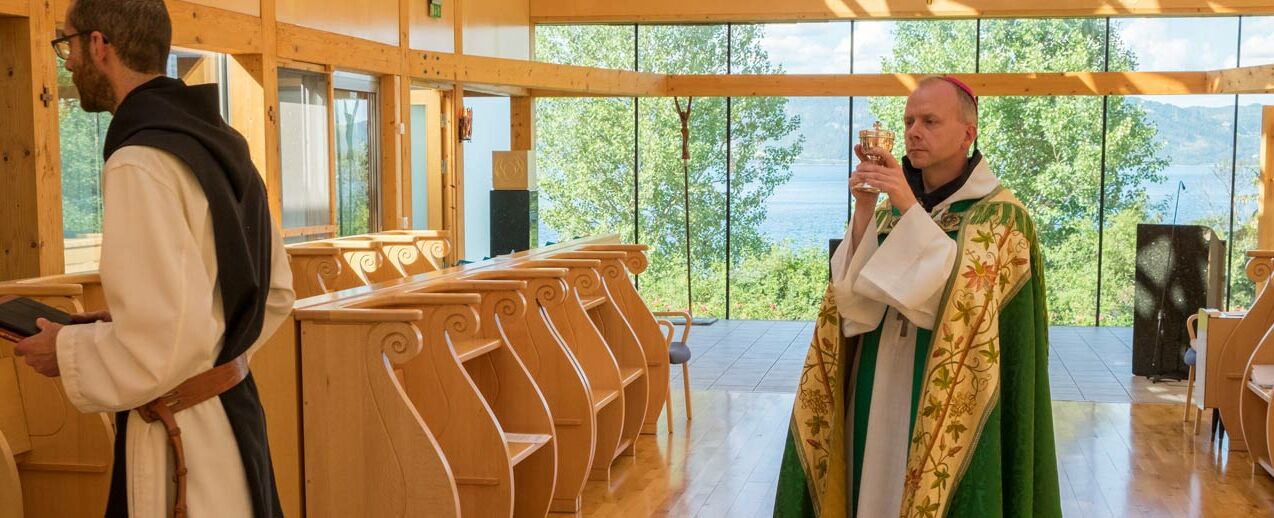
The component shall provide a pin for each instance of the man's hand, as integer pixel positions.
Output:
(90, 317)
(41, 349)
(888, 177)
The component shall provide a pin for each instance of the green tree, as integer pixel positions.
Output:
(585, 154)
(82, 135)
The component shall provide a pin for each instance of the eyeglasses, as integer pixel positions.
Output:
(62, 46)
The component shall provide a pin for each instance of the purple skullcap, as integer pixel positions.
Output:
(961, 85)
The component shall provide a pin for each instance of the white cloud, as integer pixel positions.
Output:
(873, 41)
(1179, 44)
(808, 48)
(1259, 49)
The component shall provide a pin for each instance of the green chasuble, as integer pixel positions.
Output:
(981, 437)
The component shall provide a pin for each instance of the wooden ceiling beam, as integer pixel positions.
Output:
(1028, 84)
(197, 26)
(14, 8)
(721, 11)
(566, 78)
(344, 52)
(1245, 80)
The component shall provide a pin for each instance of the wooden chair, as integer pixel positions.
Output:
(572, 322)
(1191, 359)
(678, 354)
(367, 450)
(557, 373)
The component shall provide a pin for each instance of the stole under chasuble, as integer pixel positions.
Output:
(925, 390)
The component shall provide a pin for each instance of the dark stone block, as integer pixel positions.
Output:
(514, 221)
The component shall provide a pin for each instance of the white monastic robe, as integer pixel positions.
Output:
(159, 274)
(901, 280)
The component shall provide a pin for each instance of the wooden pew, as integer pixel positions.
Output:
(619, 262)
(510, 392)
(319, 269)
(434, 245)
(52, 448)
(557, 373)
(615, 428)
(1237, 350)
(368, 451)
(608, 313)
(481, 452)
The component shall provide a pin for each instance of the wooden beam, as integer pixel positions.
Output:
(13, 8)
(201, 27)
(561, 78)
(1246, 80)
(391, 149)
(720, 11)
(344, 52)
(404, 116)
(1031, 84)
(522, 123)
(1265, 212)
(31, 234)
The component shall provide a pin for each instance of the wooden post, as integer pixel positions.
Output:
(391, 152)
(522, 123)
(30, 169)
(1265, 215)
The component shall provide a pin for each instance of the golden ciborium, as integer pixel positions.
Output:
(879, 138)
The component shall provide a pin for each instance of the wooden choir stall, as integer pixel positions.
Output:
(400, 387)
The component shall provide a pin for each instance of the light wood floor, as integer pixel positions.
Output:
(1116, 460)
(1085, 363)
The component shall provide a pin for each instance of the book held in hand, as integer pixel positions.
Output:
(18, 315)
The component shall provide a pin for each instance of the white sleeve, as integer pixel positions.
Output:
(911, 268)
(278, 304)
(858, 314)
(159, 293)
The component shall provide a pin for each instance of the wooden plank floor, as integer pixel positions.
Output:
(1116, 460)
(1085, 363)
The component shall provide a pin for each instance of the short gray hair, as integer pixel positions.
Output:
(968, 105)
(140, 30)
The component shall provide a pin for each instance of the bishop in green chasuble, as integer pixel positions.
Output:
(925, 389)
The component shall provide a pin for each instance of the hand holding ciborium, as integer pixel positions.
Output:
(876, 138)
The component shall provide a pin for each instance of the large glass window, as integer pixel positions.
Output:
(357, 153)
(662, 182)
(785, 190)
(82, 136)
(304, 155)
(789, 176)
(585, 147)
(491, 132)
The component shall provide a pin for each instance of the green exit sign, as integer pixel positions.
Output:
(435, 8)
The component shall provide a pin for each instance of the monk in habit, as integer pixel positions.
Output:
(925, 390)
(194, 274)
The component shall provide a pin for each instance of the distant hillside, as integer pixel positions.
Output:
(1192, 136)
